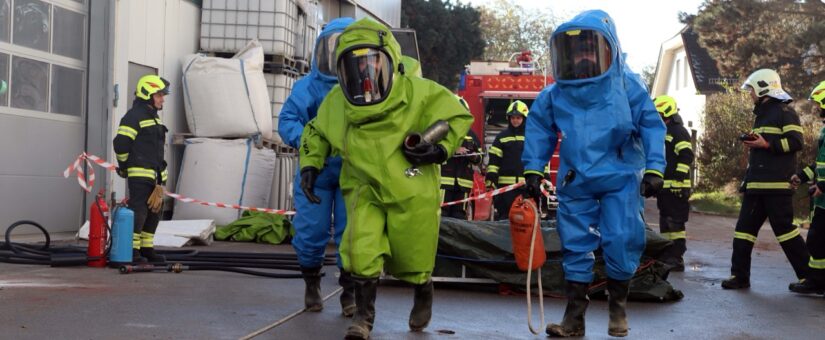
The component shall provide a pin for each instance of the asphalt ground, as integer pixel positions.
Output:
(41, 302)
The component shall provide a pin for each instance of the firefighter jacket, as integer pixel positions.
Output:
(139, 143)
(770, 169)
(816, 171)
(678, 155)
(458, 171)
(504, 167)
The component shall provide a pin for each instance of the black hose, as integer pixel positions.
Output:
(249, 272)
(195, 260)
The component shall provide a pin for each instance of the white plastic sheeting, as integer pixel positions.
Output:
(282, 183)
(227, 97)
(223, 171)
(226, 25)
(279, 87)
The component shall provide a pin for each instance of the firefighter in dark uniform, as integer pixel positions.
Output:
(504, 167)
(773, 143)
(457, 174)
(139, 147)
(672, 201)
(814, 283)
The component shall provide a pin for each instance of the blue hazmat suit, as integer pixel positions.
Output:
(312, 221)
(611, 135)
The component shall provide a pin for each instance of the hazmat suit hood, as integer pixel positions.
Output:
(412, 68)
(368, 33)
(599, 88)
(308, 92)
(337, 25)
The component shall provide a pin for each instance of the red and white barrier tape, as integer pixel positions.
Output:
(491, 193)
(88, 183)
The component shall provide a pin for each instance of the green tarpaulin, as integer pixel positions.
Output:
(485, 250)
(254, 226)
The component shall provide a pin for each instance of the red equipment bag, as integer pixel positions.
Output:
(483, 207)
(525, 230)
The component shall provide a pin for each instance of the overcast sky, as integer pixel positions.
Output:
(641, 35)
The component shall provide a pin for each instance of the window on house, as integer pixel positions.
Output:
(4, 78)
(29, 84)
(5, 20)
(66, 94)
(678, 72)
(32, 24)
(686, 74)
(68, 33)
(51, 79)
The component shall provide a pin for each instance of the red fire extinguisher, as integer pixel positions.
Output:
(98, 236)
(528, 248)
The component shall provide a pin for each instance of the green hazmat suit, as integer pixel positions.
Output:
(411, 66)
(392, 219)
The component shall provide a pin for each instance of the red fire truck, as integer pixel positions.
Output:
(489, 87)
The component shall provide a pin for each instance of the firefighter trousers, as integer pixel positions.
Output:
(503, 201)
(816, 245)
(673, 214)
(146, 221)
(778, 209)
(458, 211)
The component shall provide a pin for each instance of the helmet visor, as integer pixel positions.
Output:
(580, 54)
(365, 75)
(325, 54)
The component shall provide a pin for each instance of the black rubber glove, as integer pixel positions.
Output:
(122, 172)
(425, 154)
(651, 184)
(308, 176)
(533, 186)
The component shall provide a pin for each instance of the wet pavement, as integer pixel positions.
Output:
(90, 303)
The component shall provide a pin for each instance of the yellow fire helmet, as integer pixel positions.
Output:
(818, 95)
(151, 84)
(518, 107)
(666, 105)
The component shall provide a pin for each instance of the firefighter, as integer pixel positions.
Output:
(814, 282)
(392, 219)
(139, 147)
(612, 151)
(774, 141)
(673, 201)
(504, 167)
(457, 173)
(312, 222)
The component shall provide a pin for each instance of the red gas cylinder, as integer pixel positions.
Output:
(525, 230)
(99, 217)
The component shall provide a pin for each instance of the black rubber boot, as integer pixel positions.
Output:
(422, 310)
(735, 282)
(137, 257)
(572, 325)
(805, 286)
(312, 295)
(617, 301)
(361, 326)
(150, 255)
(347, 295)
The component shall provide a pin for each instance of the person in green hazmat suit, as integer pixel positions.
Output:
(392, 213)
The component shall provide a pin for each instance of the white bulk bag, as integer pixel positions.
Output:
(223, 171)
(227, 97)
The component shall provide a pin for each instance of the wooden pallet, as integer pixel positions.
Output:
(279, 147)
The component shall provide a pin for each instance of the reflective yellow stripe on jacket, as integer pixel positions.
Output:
(141, 172)
(670, 183)
(768, 185)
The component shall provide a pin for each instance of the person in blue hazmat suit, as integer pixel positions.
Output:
(312, 222)
(612, 150)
